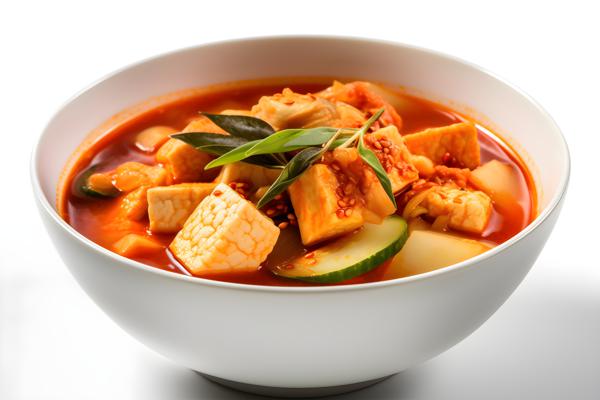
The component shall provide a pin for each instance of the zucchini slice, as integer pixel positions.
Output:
(82, 187)
(349, 256)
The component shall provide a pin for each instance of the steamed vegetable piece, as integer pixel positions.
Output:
(89, 183)
(349, 256)
(426, 251)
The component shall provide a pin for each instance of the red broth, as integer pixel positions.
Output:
(95, 219)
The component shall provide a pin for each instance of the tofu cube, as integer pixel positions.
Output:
(458, 140)
(170, 206)
(133, 245)
(317, 208)
(389, 147)
(224, 234)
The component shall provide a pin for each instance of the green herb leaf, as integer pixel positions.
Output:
(215, 143)
(292, 171)
(293, 139)
(371, 159)
(242, 126)
(235, 155)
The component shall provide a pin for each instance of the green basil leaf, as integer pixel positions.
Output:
(234, 155)
(371, 159)
(217, 144)
(292, 171)
(250, 128)
(213, 143)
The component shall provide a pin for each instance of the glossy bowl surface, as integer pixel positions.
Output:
(291, 337)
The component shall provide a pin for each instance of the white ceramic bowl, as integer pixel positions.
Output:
(317, 336)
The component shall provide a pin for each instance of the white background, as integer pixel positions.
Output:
(55, 343)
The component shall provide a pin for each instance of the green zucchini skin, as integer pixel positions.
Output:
(363, 266)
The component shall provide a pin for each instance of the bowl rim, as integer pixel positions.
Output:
(541, 217)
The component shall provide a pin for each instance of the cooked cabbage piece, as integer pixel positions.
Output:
(225, 233)
(458, 208)
(293, 110)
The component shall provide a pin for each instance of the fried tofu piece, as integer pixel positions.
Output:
(461, 209)
(133, 245)
(315, 202)
(225, 233)
(170, 206)
(388, 145)
(254, 175)
(182, 161)
(132, 175)
(134, 205)
(457, 142)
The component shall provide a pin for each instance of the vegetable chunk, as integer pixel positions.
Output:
(170, 206)
(184, 163)
(132, 175)
(225, 233)
(426, 251)
(134, 205)
(457, 142)
(134, 245)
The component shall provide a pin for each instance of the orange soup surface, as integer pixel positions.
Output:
(98, 219)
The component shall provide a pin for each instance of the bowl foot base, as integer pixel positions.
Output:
(274, 391)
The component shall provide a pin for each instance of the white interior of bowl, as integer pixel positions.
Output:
(438, 77)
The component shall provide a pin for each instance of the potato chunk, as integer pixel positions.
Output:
(170, 206)
(317, 208)
(184, 163)
(389, 147)
(426, 251)
(501, 182)
(134, 245)
(225, 233)
(134, 205)
(440, 145)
